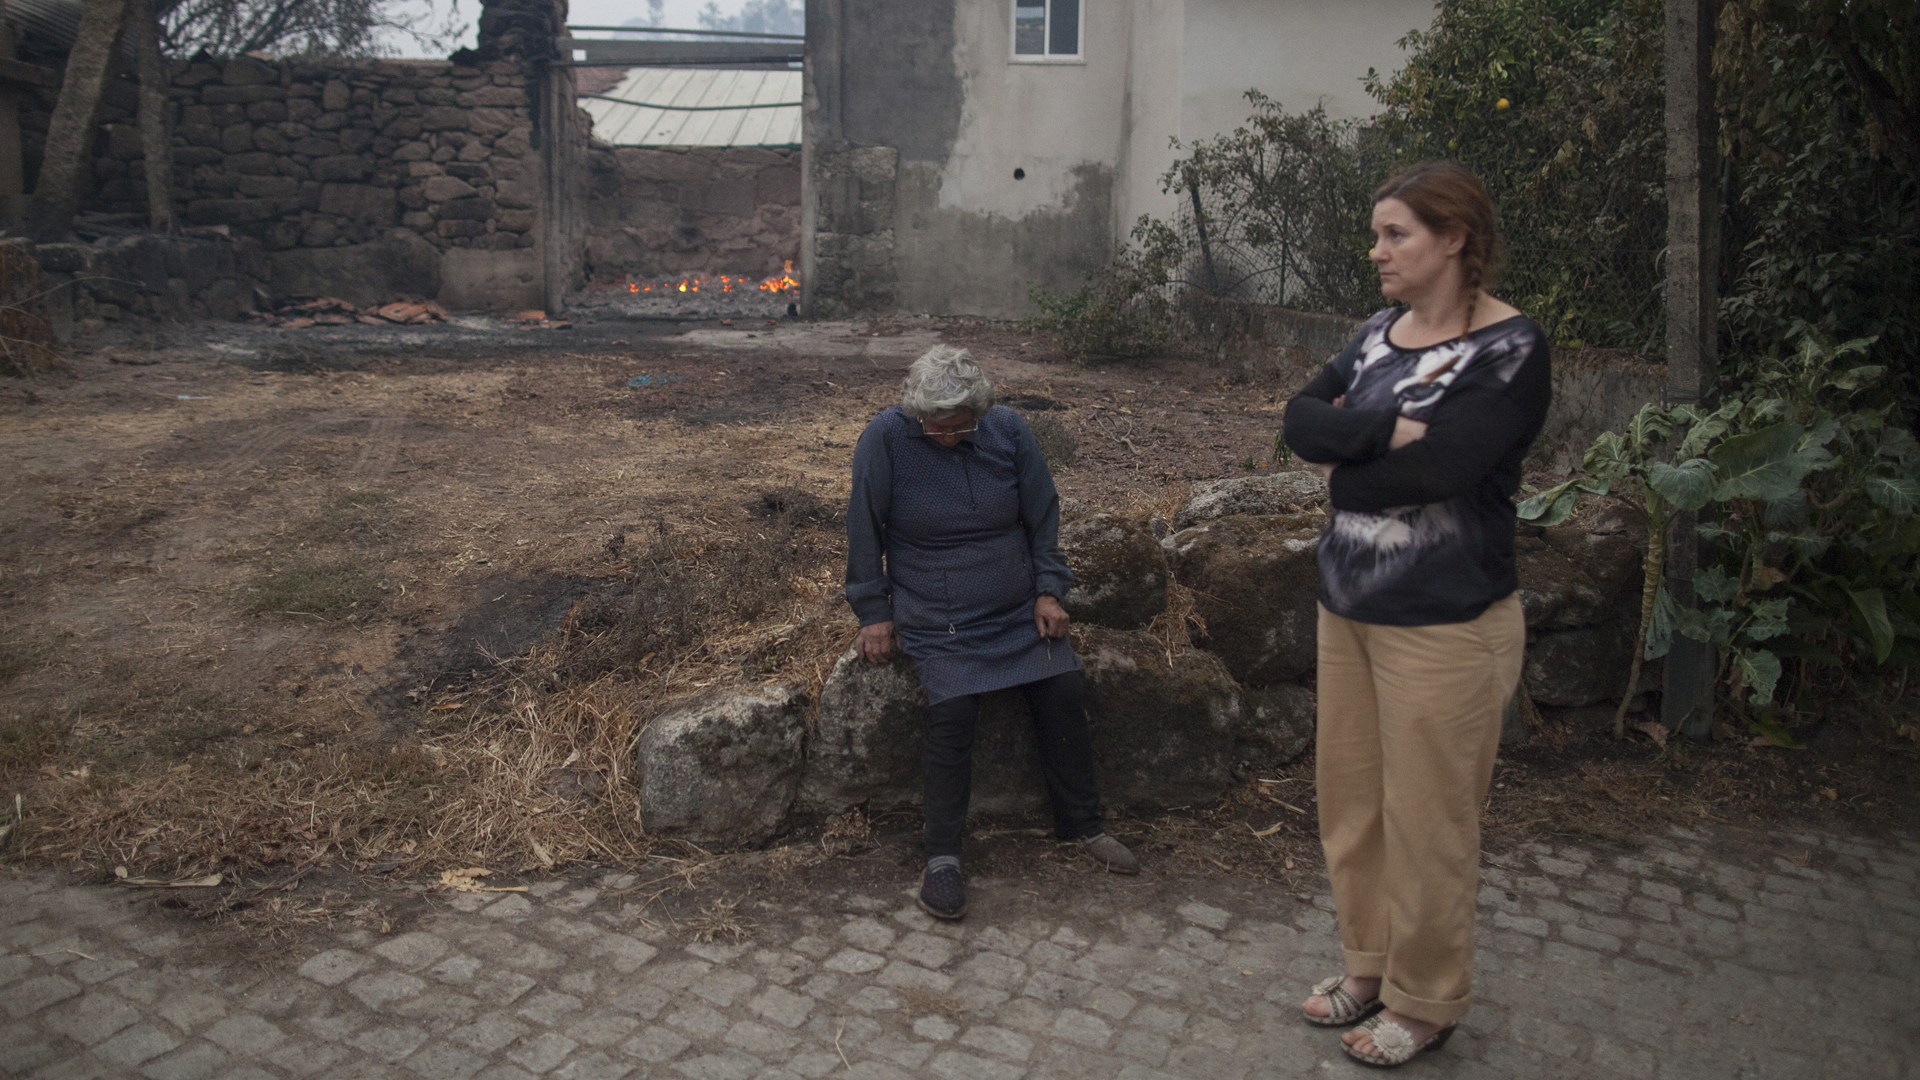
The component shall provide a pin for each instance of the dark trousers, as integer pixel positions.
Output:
(1059, 713)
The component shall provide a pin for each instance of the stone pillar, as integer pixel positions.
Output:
(70, 134)
(529, 32)
(1693, 248)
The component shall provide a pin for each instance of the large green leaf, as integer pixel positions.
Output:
(1660, 627)
(1607, 457)
(1706, 429)
(1766, 464)
(1687, 485)
(1855, 378)
(1556, 504)
(1759, 673)
(1767, 619)
(1715, 585)
(1899, 444)
(1898, 495)
(1713, 625)
(1870, 607)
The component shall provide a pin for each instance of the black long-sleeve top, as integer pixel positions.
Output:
(1423, 535)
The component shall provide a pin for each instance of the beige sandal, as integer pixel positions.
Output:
(1342, 1007)
(1393, 1045)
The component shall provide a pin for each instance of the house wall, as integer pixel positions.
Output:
(1297, 52)
(917, 118)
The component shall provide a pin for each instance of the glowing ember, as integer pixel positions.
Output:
(693, 283)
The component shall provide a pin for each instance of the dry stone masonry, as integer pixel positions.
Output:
(1173, 710)
(363, 179)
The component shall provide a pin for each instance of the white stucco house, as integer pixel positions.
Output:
(960, 151)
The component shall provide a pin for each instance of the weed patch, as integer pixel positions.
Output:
(351, 516)
(326, 590)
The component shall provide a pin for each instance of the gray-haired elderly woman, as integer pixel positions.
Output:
(952, 549)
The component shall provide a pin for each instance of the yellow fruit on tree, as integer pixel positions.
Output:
(1502, 103)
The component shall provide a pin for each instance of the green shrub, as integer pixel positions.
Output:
(1807, 487)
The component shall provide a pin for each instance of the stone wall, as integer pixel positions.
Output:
(310, 157)
(448, 179)
(663, 211)
(1169, 718)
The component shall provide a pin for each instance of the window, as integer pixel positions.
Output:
(1046, 29)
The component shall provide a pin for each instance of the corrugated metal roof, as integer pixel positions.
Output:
(699, 107)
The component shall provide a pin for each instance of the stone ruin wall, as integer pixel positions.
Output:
(366, 179)
(302, 153)
(373, 179)
(660, 212)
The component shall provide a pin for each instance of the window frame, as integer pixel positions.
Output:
(1013, 37)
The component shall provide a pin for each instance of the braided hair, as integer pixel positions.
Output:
(1448, 198)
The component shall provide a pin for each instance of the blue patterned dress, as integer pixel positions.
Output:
(955, 545)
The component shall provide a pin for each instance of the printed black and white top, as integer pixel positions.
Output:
(1423, 535)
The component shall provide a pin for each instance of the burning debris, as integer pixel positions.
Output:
(333, 311)
(783, 282)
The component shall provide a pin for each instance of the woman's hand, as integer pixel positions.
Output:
(876, 642)
(1406, 431)
(1050, 618)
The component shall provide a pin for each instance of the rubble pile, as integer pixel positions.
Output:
(333, 311)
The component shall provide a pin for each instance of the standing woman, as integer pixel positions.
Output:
(1420, 426)
(953, 551)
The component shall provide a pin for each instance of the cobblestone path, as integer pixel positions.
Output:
(1694, 957)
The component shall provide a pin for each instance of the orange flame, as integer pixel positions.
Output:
(785, 281)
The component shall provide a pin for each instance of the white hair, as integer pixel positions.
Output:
(943, 382)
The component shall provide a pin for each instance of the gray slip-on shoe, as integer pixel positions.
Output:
(1111, 854)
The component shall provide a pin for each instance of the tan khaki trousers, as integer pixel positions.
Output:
(1409, 723)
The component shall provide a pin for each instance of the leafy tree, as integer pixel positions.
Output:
(1281, 210)
(1558, 106)
(758, 17)
(1823, 223)
(1875, 42)
(297, 27)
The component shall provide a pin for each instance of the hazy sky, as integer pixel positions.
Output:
(680, 14)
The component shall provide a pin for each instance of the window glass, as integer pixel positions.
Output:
(1030, 29)
(1063, 29)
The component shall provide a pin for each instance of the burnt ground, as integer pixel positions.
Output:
(312, 560)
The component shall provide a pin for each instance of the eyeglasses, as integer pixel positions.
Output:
(932, 434)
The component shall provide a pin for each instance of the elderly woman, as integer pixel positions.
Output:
(952, 551)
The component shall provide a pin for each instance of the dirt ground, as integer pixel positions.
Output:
(278, 603)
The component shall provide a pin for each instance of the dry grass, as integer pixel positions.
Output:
(26, 337)
(525, 770)
(720, 920)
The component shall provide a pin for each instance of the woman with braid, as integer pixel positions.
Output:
(1420, 426)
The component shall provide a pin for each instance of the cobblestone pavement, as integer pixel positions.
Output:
(1693, 956)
